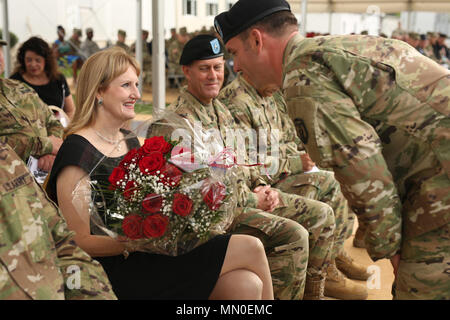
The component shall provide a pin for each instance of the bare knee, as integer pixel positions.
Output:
(253, 248)
(239, 284)
(248, 286)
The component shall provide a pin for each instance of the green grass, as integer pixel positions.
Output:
(66, 71)
(143, 108)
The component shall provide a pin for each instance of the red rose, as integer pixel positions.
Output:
(156, 144)
(182, 204)
(171, 175)
(128, 158)
(130, 189)
(116, 175)
(152, 203)
(132, 226)
(155, 226)
(213, 194)
(151, 163)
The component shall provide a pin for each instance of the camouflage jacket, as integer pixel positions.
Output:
(429, 52)
(124, 46)
(215, 116)
(38, 256)
(267, 118)
(26, 122)
(146, 56)
(377, 112)
(89, 47)
(174, 54)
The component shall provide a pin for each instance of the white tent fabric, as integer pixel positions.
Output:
(158, 44)
(348, 6)
(361, 6)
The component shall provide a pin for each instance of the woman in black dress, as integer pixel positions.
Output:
(226, 267)
(36, 66)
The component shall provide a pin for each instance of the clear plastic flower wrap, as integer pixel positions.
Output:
(169, 195)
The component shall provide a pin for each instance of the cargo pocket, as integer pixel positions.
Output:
(27, 227)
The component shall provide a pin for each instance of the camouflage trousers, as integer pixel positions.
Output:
(424, 269)
(287, 242)
(147, 69)
(323, 187)
(175, 69)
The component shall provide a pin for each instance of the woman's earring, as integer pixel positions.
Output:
(100, 101)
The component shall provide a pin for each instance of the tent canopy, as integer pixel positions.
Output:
(370, 6)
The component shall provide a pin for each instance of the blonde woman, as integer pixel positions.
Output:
(226, 267)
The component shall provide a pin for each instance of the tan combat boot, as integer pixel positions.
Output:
(339, 286)
(350, 268)
(314, 288)
(358, 240)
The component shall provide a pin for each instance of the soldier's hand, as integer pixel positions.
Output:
(56, 142)
(45, 163)
(273, 199)
(268, 199)
(261, 196)
(307, 162)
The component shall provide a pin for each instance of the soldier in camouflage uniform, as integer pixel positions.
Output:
(121, 36)
(430, 48)
(38, 256)
(26, 123)
(268, 116)
(281, 231)
(89, 46)
(377, 112)
(173, 37)
(146, 58)
(75, 50)
(174, 53)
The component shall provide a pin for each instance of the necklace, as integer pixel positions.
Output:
(110, 141)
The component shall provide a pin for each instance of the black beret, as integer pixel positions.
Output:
(201, 47)
(244, 14)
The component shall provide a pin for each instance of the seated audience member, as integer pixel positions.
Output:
(89, 46)
(443, 52)
(121, 36)
(297, 232)
(38, 257)
(76, 52)
(267, 115)
(27, 124)
(225, 267)
(61, 47)
(36, 66)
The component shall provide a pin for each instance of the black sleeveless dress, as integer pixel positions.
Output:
(144, 275)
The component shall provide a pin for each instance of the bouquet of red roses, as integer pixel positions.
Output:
(165, 200)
